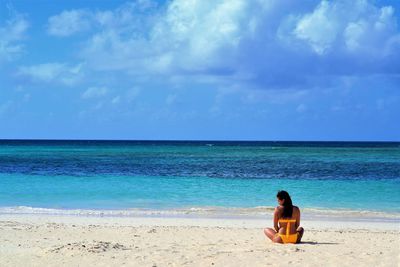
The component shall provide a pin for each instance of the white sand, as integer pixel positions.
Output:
(46, 240)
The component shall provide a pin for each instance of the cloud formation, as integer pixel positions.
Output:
(255, 43)
(52, 72)
(355, 26)
(11, 35)
(95, 92)
(69, 22)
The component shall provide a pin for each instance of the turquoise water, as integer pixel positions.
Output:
(170, 175)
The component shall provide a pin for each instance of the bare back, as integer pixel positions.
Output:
(280, 227)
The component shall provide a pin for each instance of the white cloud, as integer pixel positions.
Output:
(354, 33)
(11, 35)
(358, 26)
(319, 28)
(94, 92)
(203, 28)
(385, 19)
(188, 36)
(53, 72)
(45, 72)
(74, 21)
(69, 22)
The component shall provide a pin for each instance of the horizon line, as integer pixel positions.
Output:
(200, 140)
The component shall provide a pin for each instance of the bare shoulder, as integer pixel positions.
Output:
(278, 209)
(296, 209)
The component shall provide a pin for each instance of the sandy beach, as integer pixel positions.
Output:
(48, 240)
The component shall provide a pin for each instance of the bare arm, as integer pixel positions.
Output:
(276, 219)
(298, 219)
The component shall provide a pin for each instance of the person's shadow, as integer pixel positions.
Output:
(317, 243)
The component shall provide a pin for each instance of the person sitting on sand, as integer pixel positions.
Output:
(286, 221)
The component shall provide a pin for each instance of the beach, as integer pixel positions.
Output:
(134, 203)
(65, 240)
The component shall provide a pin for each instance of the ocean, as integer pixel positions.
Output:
(57, 176)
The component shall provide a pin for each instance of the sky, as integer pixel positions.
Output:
(200, 70)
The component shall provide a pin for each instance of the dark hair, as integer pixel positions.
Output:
(287, 205)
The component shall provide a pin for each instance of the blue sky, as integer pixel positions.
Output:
(196, 69)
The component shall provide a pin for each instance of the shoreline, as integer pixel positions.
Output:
(201, 220)
(261, 212)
